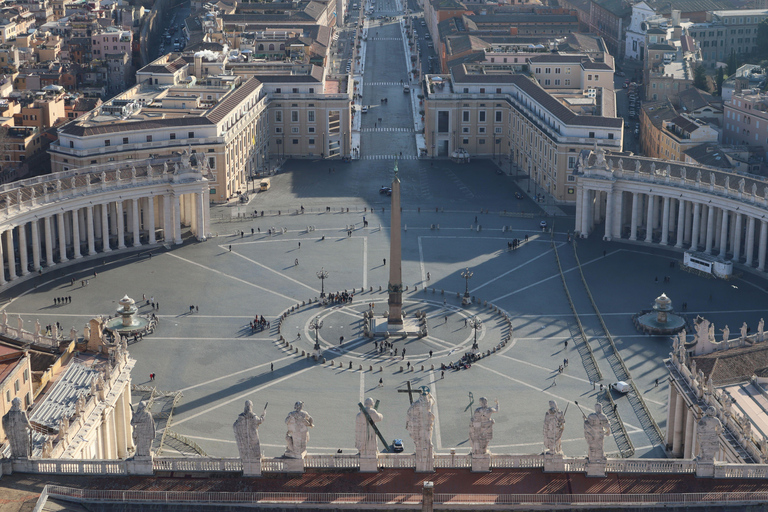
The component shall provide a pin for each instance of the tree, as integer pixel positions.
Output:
(700, 78)
(733, 64)
(719, 79)
(762, 38)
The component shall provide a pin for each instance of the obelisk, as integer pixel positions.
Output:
(395, 288)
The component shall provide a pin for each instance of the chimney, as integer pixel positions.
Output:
(198, 64)
(675, 17)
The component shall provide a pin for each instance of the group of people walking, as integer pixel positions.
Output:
(340, 297)
(259, 324)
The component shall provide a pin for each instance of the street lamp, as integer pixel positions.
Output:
(322, 275)
(475, 323)
(467, 275)
(316, 324)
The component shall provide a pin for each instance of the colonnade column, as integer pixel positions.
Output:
(62, 238)
(105, 228)
(761, 247)
(10, 254)
(649, 219)
(135, 222)
(618, 213)
(677, 434)
(23, 249)
(710, 229)
(608, 214)
(48, 241)
(633, 222)
(680, 228)
(671, 401)
(200, 213)
(76, 234)
(176, 218)
(695, 229)
(120, 225)
(750, 249)
(35, 245)
(737, 238)
(688, 221)
(151, 213)
(167, 233)
(585, 213)
(665, 222)
(2, 272)
(690, 426)
(90, 230)
(724, 234)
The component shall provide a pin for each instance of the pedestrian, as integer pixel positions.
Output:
(408, 364)
(446, 319)
(381, 383)
(251, 230)
(465, 322)
(271, 367)
(197, 309)
(94, 273)
(566, 343)
(601, 387)
(565, 362)
(657, 383)
(554, 380)
(230, 248)
(296, 262)
(442, 374)
(69, 298)
(385, 262)
(614, 408)
(430, 353)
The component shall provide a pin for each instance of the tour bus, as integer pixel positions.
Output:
(264, 185)
(707, 263)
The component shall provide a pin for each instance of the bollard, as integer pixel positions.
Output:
(401, 369)
(406, 287)
(360, 367)
(422, 367)
(381, 368)
(371, 289)
(432, 367)
(370, 368)
(350, 365)
(324, 361)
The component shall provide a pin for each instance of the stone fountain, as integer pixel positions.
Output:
(127, 322)
(661, 320)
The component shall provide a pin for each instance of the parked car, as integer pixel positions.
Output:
(386, 191)
(364, 109)
(518, 195)
(543, 224)
(397, 445)
(621, 387)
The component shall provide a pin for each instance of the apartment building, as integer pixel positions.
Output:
(495, 111)
(726, 32)
(746, 119)
(111, 41)
(15, 381)
(568, 71)
(224, 122)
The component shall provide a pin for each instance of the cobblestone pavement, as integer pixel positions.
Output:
(214, 359)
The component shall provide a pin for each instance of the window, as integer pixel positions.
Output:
(465, 116)
(557, 71)
(71, 144)
(589, 78)
(149, 138)
(278, 129)
(481, 116)
(465, 129)
(481, 129)
(498, 129)
(295, 90)
(294, 116)
(547, 70)
(107, 142)
(538, 70)
(610, 136)
(173, 136)
(482, 90)
(498, 89)
(295, 141)
(211, 162)
(278, 116)
(295, 129)
(8, 396)
(125, 140)
(571, 162)
(567, 81)
(191, 135)
(591, 135)
(498, 116)
(311, 129)
(557, 81)
(465, 141)
(16, 385)
(481, 141)
(567, 71)
(311, 116)
(546, 81)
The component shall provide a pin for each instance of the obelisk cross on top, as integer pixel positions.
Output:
(395, 288)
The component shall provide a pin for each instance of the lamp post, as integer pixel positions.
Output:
(475, 323)
(322, 275)
(467, 275)
(316, 324)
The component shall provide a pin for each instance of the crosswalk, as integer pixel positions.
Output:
(382, 83)
(385, 39)
(389, 157)
(384, 129)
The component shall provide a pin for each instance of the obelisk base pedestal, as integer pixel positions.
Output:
(382, 328)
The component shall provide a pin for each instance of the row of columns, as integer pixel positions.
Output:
(675, 221)
(85, 226)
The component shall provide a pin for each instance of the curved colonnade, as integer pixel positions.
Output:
(52, 219)
(692, 207)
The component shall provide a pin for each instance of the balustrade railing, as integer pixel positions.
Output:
(331, 461)
(517, 461)
(671, 466)
(453, 461)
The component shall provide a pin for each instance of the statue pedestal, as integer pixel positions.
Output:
(425, 461)
(481, 463)
(705, 469)
(252, 468)
(554, 463)
(142, 466)
(369, 465)
(293, 465)
(596, 468)
(466, 300)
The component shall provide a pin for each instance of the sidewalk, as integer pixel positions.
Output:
(418, 125)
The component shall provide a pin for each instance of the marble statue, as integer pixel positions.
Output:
(743, 331)
(710, 385)
(15, 425)
(675, 345)
(765, 192)
(668, 170)
(610, 164)
(764, 448)
(37, 327)
(165, 167)
(80, 405)
(621, 164)
(246, 429)
(73, 333)
(103, 177)
(481, 427)
(700, 381)
(698, 176)
(117, 174)
(20, 324)
(554, 424)
(683, 173)
(48, 447)
(711, 333)
(712, 178)
(185, 160)
(299, 422)
(366, 440)
(741, 185)
(596, 428)
(581, 163)
(727, 184)
(708, 434)
(653, 168)
(133, 172)
(149, 170)
(72, 183)
(63, 428)
(760, 330)
(637, 165)
(754, 189)
(693, 367)
(747, 425)
(143, 431)
(5, 318)
(600, 161)
(420, 423)
(726, 333)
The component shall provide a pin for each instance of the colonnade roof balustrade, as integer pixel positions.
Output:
(25, 195)
(739, 186)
